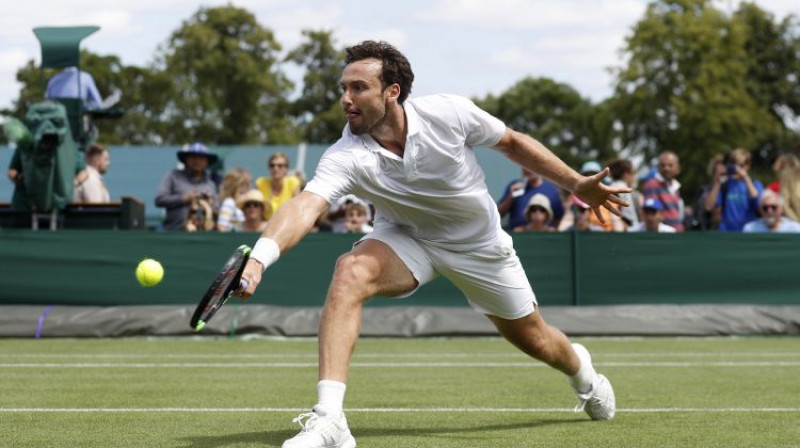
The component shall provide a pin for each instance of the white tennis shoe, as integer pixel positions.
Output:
(599, 402)
(321, 430)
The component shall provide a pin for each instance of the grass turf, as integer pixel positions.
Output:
(204, 393)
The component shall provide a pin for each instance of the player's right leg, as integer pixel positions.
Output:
(371, 268)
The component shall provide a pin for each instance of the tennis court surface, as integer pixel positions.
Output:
(440, 392)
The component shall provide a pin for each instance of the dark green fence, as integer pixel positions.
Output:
(97, 268)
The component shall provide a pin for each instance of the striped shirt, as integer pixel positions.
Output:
(666, 192)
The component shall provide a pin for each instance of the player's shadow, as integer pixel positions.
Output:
(276, 438)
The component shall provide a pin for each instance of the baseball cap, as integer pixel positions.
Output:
(591, 167)
(652, 204)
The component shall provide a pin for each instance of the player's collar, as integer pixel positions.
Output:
(412, 118)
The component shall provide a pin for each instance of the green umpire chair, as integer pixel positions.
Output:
(61, 49)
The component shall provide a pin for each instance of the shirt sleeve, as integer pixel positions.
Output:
(480, 127)
(334, 176)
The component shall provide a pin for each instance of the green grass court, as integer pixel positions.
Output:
(214, 393)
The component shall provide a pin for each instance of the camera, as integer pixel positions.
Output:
(731, 169)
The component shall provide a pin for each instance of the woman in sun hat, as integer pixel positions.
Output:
(180, 187)
(255, 208)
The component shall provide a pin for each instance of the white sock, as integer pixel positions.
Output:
(582, 381)
(331, 395)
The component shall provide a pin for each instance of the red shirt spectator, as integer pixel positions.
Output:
(664, 187)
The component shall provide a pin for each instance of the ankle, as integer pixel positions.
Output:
(331, 396)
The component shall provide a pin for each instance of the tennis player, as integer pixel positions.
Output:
(413, 159)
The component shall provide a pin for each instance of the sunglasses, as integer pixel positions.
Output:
(536, 209)
(278, 165)
(252, 204)
(582, 210)
(769, 207)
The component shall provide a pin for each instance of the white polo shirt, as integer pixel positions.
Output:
(437, 191)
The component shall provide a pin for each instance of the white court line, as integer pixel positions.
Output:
(230, 365)
(398, 410)
(384, 355)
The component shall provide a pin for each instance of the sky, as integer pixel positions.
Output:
(465, 47)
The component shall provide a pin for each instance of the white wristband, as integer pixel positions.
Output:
(266, 252)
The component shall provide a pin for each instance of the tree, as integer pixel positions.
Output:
(773, 75)
(226, 84)
(555, 114)
(318, 109)
(686, 87)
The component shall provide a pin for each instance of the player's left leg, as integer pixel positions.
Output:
(494, 281)
(533, 336)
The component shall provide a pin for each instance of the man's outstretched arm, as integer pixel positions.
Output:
(284, 230)
(529, 153)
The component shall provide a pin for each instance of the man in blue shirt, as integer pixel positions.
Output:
(735, 192)
(772, 219)
(518, 194)
(65, 85)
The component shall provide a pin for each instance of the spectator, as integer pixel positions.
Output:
(772, 219)
(539, 214)
(93, 189)
(280, 187)
(609, 223)
(518, 194)
(65, 85)
(665, 187)
(180, 188)
(653, 211)
(582, 217)
(235, 183)
(337, 212)
(255, 208)
(621, 172)
(787, 167)
(734, 192)
(201, 215)
(703, 219)
(356, 220)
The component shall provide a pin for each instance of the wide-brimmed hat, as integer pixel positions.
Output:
(197, 149)
(251, 196)
(542, 201)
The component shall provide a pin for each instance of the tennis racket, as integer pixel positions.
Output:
(225, 284)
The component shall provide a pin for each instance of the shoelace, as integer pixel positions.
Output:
(306, 421)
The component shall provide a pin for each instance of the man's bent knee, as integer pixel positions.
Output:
(353, 278)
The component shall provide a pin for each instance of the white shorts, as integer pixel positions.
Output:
(491, 277)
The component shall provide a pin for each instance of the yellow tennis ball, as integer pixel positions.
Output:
(149, 272)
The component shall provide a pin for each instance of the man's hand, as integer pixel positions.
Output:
(592, 191)
(252, 275)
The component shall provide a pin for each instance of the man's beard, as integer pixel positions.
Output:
(770, 221)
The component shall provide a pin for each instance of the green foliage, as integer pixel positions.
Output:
(318, 111)
(226, 84)
(692, 84)
(773, 77)
(556, 115)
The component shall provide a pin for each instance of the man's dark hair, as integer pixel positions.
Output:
(395, 68)
(619, 167)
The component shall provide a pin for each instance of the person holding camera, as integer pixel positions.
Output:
(182, 187)
(734, 192)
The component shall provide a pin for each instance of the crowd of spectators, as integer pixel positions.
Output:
(732, 201)
(194, 203)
